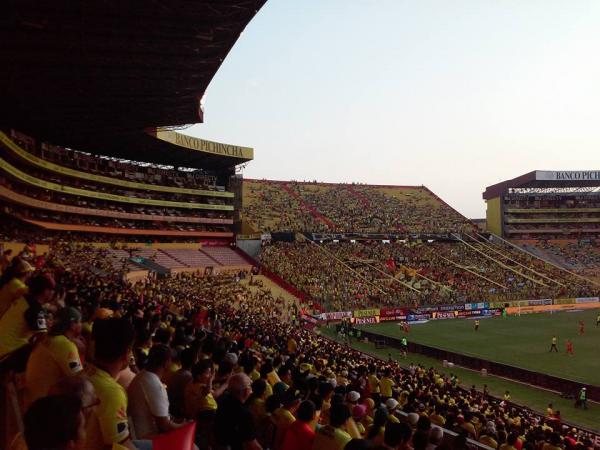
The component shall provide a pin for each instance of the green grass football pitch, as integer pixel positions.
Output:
(522, 341)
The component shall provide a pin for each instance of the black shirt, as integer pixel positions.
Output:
(233, 423)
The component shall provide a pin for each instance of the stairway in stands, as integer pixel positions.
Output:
(316, 214)
(362, 198)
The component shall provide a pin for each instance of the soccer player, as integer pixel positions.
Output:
(477, 325)
(598, 320)
(404, 347)
(569, 347)
(581, 328)
(582, 399)
(553, 347)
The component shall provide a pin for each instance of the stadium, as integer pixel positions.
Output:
(152, 297)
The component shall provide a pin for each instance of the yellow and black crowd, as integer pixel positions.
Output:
(349, 275)
(99, 363)
(327, 207)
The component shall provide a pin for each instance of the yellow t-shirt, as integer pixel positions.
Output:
(283, 417)
(489, 441)
(268, 390)
(373, 384)
(386, 385)
(273, 378)
(196, 400)
(292, 345)
(14, 331)
(437, 419)
(10, 292)
(108, 423)
(329, 438)
(52, 360)
(469, 428)
(258, 410)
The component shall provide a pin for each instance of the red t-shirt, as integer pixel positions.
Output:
(299, 436)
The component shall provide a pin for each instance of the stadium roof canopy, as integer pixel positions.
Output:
(97, 75)
(540, 179)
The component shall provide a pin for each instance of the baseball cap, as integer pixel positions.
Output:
(23, 267)
(413, 418)
(64, 318)
(353, 396)
(391, 403)
(232, 358)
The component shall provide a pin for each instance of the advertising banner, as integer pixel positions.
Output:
(444, 315)
(568, 175)
(417, 317)
(202, 145)
(338, 315)
(587, 299)
(471, 306)
(392, 312)
(424, 309)
(366, 312)
(400, 318)
(563, 301)
(364, 320)
(451, 307)
(544, 301)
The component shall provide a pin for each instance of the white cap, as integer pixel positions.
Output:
(391, 403)
(353, 396)
(413, 418)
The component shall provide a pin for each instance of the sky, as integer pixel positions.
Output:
(454, 95)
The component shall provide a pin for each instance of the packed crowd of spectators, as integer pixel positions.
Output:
(96, 353)
(552, 216)
(353, 275)
(116, 168)
(103, 221)
(375, 209)
(320, 207)
(579, 256)
(113, 189)
(553, 201)
(59, 198)
(12, 229)
(268, 207)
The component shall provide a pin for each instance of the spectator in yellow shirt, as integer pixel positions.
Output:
(24, 318)
(13, 283)
(334, 436)
(386, 384)
(55, 357)
(113, 341)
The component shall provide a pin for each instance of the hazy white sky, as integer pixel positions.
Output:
(456, 95)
